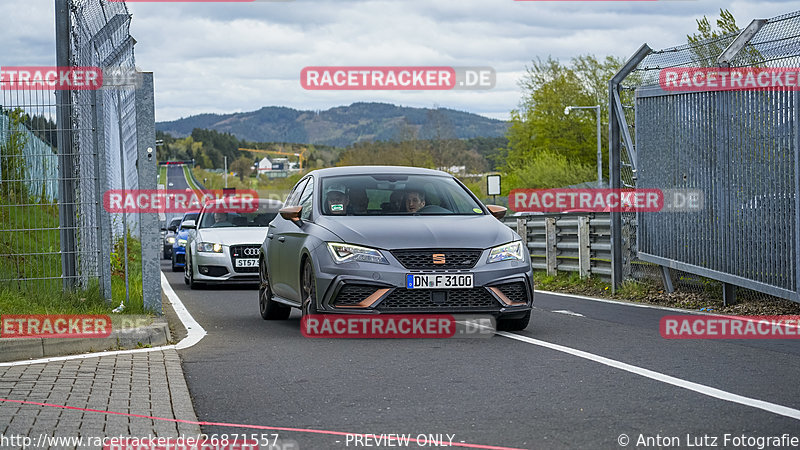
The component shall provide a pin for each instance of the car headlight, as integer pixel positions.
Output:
(171, 240)
(209, 247)
(343, 253)
(181, 242)
(507, 252)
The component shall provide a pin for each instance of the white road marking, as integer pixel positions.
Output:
(195, 333)
(622, 303)
(653, 375)
(568, 312)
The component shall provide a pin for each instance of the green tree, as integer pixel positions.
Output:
(540, 129)
(243, 166)
(13, 168)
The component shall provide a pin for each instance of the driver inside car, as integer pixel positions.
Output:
(415, 200)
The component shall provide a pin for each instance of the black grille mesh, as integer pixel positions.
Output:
(353, 294)
(516, 292)
(438, 299)
(423, 259)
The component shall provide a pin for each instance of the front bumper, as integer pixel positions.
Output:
(503, 289)
(179, 255)
(212, 267)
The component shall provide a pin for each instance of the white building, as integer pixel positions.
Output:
(264, 165)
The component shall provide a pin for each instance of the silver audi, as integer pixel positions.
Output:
(223, 243)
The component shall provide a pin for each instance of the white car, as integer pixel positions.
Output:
(224, 247)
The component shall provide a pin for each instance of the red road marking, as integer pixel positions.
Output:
(257, 427)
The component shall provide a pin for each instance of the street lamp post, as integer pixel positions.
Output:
(599, 151)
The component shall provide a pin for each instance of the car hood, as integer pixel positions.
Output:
(393, 232)
(233, 235)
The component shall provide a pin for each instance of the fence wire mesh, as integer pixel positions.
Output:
(739, 147)
(54, 232)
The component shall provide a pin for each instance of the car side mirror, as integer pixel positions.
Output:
(292, 213)
(189, 225)
(497, 211)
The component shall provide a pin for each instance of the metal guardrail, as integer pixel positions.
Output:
(567, 242)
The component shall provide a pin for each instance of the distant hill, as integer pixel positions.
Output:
(340, 126)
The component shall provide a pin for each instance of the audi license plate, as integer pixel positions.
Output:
(439, 280)
(247, 262)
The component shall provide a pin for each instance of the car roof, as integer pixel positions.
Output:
(371, 170)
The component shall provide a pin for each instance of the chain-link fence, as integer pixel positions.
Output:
(739, 147)
(61, 149)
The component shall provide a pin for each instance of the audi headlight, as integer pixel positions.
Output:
(171, 240)
(343, 253)
(181, 242)
(210, 247)
(507, 252)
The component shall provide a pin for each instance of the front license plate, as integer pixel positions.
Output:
(247, 262)
(439, 280)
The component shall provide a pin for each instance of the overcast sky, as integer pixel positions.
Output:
(229, 57)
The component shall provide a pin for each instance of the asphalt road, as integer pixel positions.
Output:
(492, 391)
(495, 391)
(178, 179)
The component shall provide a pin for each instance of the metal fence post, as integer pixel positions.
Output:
(147, 169)
(522, 230)
(102, 216)
(66, 156)
(584, 253)
(551, 243)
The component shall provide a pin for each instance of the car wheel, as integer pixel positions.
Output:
(270, 309)
(192, 284)
(514, 324)
(309, 289)
(186, 274)
(175, 268)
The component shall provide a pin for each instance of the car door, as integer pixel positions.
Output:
(294, 239)
(276, 247)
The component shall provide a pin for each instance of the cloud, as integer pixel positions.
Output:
(226, 57)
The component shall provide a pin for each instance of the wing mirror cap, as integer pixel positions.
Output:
(497, 211)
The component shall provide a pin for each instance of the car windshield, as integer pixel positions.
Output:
(190, 216)
(396, 194)
(259, 218)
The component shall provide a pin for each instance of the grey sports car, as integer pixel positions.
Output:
(374, 239)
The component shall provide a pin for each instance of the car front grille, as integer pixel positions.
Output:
(402, 299)
(353, 294)
(516, 292)
(239, 251)
(424, 259)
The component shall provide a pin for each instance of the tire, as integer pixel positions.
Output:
(269, 308)
(192, 284)
(309, 285)
(186, 274)
(514, 324)
(174, 267)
